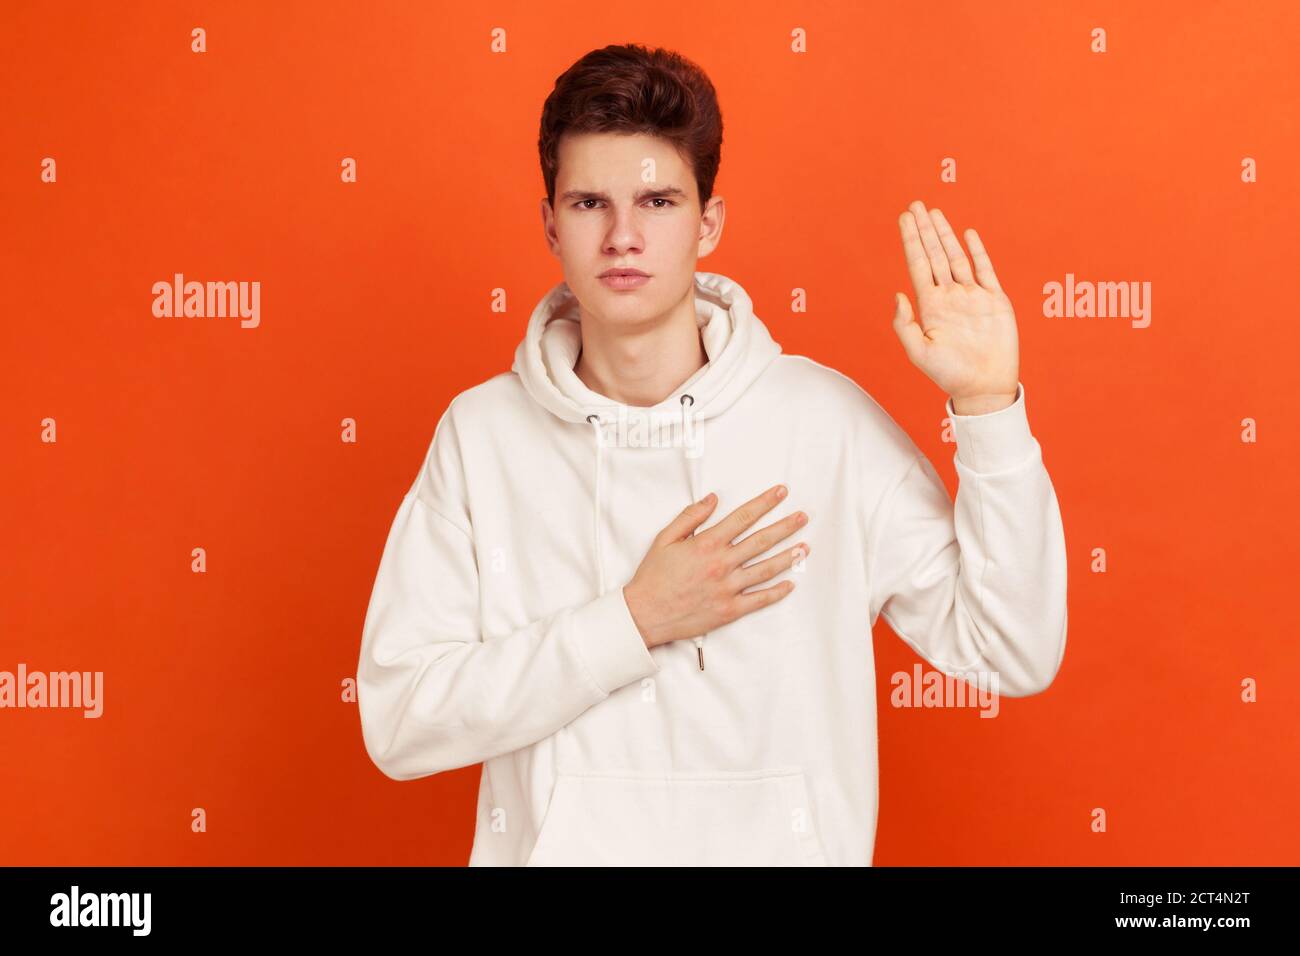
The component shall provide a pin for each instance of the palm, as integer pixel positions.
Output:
(963, 336)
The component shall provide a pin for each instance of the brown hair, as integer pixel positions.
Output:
(632, 89)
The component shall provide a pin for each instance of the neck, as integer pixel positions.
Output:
(641, 366)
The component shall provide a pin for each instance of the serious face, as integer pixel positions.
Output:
(628, 201)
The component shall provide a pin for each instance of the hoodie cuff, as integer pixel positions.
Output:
(996, 441)
(609, 642)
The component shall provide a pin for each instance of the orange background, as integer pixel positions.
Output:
(222, 690)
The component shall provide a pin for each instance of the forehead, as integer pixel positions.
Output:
(596, 159)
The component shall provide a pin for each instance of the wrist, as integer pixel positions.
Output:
(984, 404)
(633, 600)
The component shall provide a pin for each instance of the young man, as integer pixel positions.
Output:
(590, 587)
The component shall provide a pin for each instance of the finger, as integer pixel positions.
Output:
(918, 263)
(983, 267)
(952, 248)
(730, 527)
(753, 574)
(761, 540)
(691, 517)
(909, 331)
(933, 247)
(753, 600)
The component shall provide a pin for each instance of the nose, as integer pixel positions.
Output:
(624, 235)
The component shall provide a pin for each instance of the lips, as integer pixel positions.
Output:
(621, 272)
(627, 281)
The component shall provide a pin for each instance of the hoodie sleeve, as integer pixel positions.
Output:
(982, 586)
(433, 695)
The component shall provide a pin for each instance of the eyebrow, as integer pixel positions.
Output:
(664, 191)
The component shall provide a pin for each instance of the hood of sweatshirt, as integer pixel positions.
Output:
(737, 342)
(739, 349)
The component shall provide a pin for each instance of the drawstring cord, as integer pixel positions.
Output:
(695, 461)
(595, 528)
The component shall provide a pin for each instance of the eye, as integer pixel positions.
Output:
(581, 203)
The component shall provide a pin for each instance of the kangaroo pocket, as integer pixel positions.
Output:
(623, 818)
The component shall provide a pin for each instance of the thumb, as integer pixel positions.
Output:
(908, 330)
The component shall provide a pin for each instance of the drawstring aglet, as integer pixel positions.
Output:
(699, 649)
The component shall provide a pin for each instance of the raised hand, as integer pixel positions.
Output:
(963, 335)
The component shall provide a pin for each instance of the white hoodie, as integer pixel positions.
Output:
(498, 633)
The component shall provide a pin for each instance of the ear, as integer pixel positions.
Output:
(548, 227)
(712, 219)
